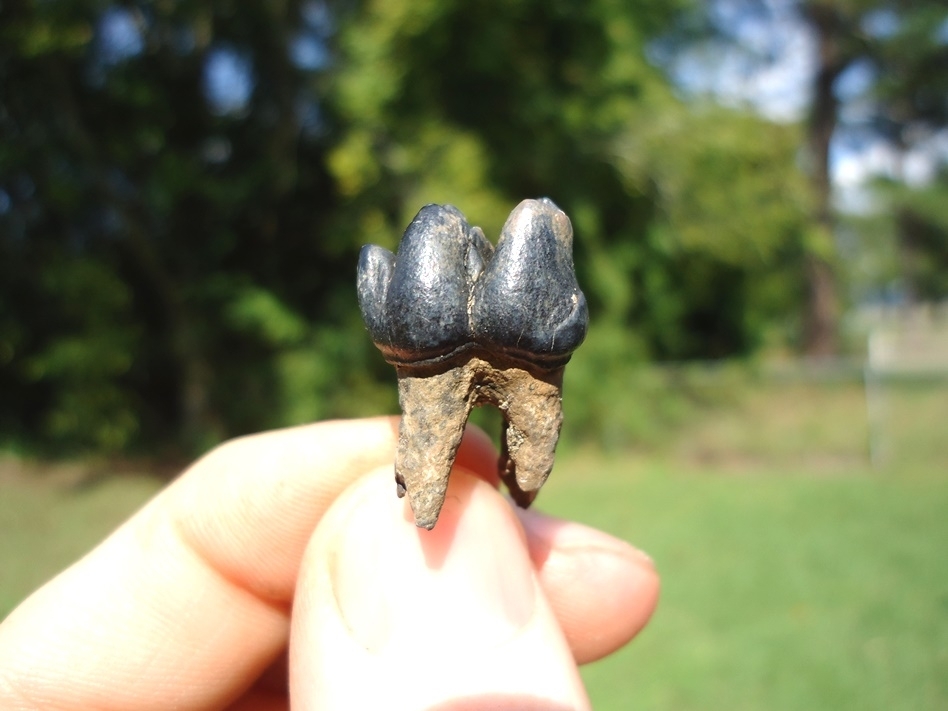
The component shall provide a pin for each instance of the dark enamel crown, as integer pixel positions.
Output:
(448, 290)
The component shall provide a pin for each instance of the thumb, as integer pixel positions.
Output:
(387, 615)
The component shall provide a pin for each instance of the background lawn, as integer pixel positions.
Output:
(794, 575)
(49, 518)
(781, 590)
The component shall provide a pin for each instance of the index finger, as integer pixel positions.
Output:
(250, 507)
(187, 603)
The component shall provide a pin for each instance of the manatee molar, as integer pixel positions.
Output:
(415, 305)
(466, 324)
(528, 303)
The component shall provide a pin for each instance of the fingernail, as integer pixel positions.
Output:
(405, 588)
(546, 532)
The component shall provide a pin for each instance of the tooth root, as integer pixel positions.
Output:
(508, 473)
(533, 417)
(434, 411)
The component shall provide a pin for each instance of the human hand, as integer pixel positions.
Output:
(289, 550)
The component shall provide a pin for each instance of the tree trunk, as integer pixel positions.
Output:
(821, 329)
(821, 322)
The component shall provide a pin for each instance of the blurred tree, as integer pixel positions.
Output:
(174, 155)
(558, 99)
(877, 72)
(735, 208)
(921, 225)
(184, 189)
(901, 51)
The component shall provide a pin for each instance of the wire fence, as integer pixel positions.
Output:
(906, 382)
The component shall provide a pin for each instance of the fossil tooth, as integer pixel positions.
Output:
(415, 303)
(528, 303)
(467, 325)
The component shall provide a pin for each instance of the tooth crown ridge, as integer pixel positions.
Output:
(447, 291)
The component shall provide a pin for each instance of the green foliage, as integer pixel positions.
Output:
(594, 126)
(899, 249)
(257, 313)
(922, 223)
(175, 268)
(333, 373)
(85, 366)
(733, 217)
(723, 182)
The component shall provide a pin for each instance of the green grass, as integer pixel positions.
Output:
(45, 524)
(795, 576)
(780, 590)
